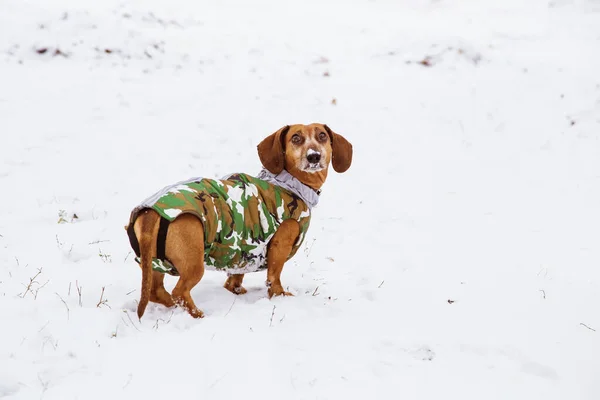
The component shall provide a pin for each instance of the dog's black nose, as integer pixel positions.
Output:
(313, 157)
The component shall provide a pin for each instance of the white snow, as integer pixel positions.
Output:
(480, 120)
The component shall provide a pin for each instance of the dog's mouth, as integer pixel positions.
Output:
(312, 167)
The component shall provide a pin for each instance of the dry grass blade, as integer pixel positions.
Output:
(102, 301)
(591, 329)
(32, 281)
(272, 314)
(65, 303)
(79, 292)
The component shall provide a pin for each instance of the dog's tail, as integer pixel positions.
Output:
(147, 238)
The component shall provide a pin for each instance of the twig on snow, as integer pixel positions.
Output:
(591, 329)
(308, 249)
(543, 293)
(45, 325)
(102, 302)
(79, 292)
(230, 307)
(272, 314)
(166, 322)
(381, 284)
(49, 340)
(99, 241)
(104, 256)
(315, 292)
(38, 289)
(44, 384)
(31, 282)
(130, 320)
(65, 303)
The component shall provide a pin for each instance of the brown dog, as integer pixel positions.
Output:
(238, 224)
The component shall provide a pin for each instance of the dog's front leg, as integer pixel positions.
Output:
(234, 284)
(280, 248)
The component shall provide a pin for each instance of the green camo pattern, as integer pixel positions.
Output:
(240, 215)
(161, 266)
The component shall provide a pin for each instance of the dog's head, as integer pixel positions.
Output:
(305, 151)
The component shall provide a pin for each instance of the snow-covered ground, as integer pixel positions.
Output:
(458, 258)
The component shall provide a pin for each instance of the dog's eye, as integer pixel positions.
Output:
(322, 136)
(296, 139)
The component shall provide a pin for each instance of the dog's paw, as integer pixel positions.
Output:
(240, 290)
(189, 307)
(196, 313)
(278, 291)
(234, 284)
(236, 289)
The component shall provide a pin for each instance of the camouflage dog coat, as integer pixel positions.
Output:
(240, 214)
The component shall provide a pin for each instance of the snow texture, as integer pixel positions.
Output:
(457, 258)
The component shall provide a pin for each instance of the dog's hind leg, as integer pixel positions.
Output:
(234, 284)
(153, 289)
(185, 250)
(159, 294)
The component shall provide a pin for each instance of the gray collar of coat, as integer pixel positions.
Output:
(288, 182)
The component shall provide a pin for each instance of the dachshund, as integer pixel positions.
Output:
(238, 224)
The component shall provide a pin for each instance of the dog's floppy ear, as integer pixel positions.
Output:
(270, 150)
(342, 151)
